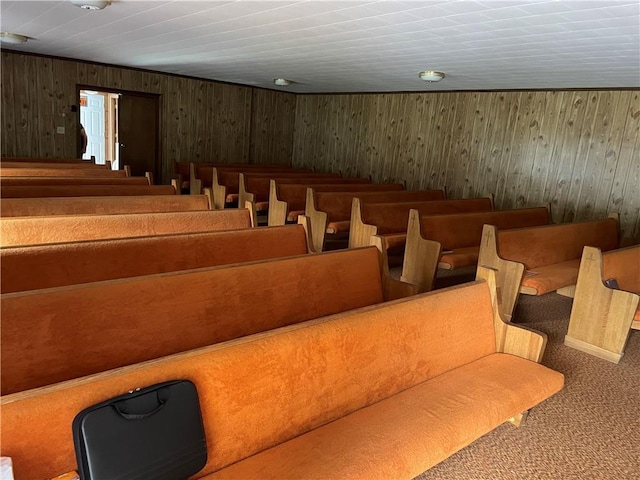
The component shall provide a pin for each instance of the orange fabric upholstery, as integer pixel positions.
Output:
(21, 191)
(261, 206)
(292, 216)
(258, 183)
(295, 194)
(460, 257)
(49, 163)
(232, 198)
(320, 398)
(38, 181)
(338, 227)
(126, 321)
(26, 207)
(552, 277)
(337, 205)
(550, 244)
(205, 172)
(465, 229)
(63, 228)
(394, 217)
(61, 172)
(45, 266)
(624, 265)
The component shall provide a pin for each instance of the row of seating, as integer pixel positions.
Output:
(289, 349)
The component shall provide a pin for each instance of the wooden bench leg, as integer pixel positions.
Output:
(519, 419)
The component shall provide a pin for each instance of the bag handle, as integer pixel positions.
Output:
(139, 416)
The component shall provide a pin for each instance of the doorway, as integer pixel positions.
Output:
(122, 128)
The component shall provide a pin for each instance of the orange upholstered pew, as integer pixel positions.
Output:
(45, 191)
(318, 397)
(52, 265)
(47, 160)
(172, 312)
(49, 181)
(23, 207)
(64, 171)
(16, 231)
(330, 212)
(453, 241)
(604, 313)
(550, 255)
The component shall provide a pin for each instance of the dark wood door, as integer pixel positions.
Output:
(138, 134)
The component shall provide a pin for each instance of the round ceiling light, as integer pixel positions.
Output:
(91, 4)
(12, 38)
(282, 82)
(430, 76)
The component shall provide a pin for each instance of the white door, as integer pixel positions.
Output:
(92, 119)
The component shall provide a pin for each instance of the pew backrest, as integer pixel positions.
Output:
(289, 195)
(49, 181)
(98, 326)
(61, 172)
(25, 207)
(53, 265)
(47, 191)
(46, 160)
(368, 219)
(16, 231)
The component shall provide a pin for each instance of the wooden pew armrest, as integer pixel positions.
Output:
(510, 338)
(392, 288)
(317, 221)
(420, 264)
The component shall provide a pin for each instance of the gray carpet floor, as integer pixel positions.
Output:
(589, 430)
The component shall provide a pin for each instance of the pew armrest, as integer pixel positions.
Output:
(277, 214)
(420, 265)
(317, 220)
(392, 288)
(360, 233)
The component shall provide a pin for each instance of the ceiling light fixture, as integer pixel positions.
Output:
(12, 38)
(282, 82)
(430, 76)
(91, 4)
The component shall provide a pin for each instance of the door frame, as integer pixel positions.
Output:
(158, 133)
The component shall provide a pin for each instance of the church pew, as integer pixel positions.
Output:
(25, 207)
(287, 199)
(16, 231)
(330, 212)
(61, 172)
(48, 191)
(89, 328)
(50, 181)
(36, 162)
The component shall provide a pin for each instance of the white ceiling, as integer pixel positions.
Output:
(350, 46)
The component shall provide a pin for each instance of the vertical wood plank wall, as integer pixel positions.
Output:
(577, 150)
(201, 121)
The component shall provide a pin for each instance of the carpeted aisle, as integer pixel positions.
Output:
(589, 430)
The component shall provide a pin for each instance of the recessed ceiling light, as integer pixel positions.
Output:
(282, 82)
(430, 76)
(91, 4)
(13, 38)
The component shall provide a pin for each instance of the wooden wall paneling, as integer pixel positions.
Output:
(509, 124)
(24, 102)
(629, 206)
(535, 136)
(460, 148)
(497, 116)
(46, 107)
(357, 153)
(64, 75)
(114, 78)
(440, 140)
(602, 158)
(412, 142)
(171, 100)
(7, 112)
(272, 126)
(474, 172)
(301, 131)
(548, 161)
(564, 153)
(542, 131)
(376, 130)
(572, 209)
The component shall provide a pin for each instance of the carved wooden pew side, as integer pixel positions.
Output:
(255, 188)
(226, 184)
(550, 255)
(59, 181)
(204, 176)
(389, 220)
(288, 200)
(603, 316)
(330, 212)
(35, 267)
(15, 231)
(453, 241)
(48, 191)
(458, 372)
(25, 207)
(173, 312)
